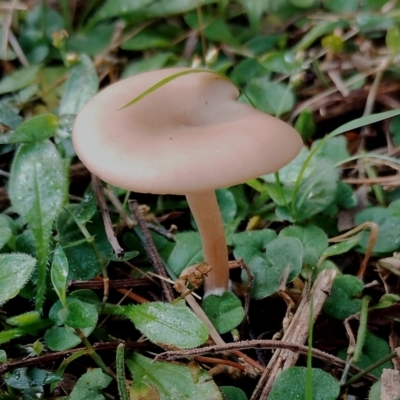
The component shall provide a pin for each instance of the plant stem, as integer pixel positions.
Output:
(362, 329)
(92, 353)
(205, 210)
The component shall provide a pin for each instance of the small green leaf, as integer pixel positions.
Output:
(15, 270)
(250, 244)
(35, 129)
(374, 349)
(187, 251)
(59, 274)
(313, 239)
(344, 298)
(168, 324)
(24, 378)
(233, 393)
(167, 381)
(283, 255)
(37, 189)
(303, 3)
(291, 384)
(393, 40)
(80, 314)
(19, 79)
(275, 98)
(305, 125)
(3, 356)
(81, 86)
(5, 230)
(279, 62)
(90, 385)
(342, 247)
(388, 221)
(158, 61)
(225, 312)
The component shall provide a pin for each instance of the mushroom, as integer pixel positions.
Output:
(188, 137)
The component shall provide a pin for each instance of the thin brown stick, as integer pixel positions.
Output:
(151, 250)
(259, 344)
(52, 357)
(210, 360)
(105, 214)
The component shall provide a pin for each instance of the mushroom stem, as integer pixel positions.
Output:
(208, 218)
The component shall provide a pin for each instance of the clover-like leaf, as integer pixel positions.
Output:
(344, 298)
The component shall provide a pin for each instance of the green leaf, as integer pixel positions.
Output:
(375, 391)
(303, 3)
(81, 86)
(233, 393)
(119, 8)
(288, 175)
(344, 299)
(90, 385)
(24, 378)
(59, 274)
(373, 350)
(320, 29)
(15, 270)
(187, 251)
(279, 61)
(168, 324)
(35, 129)
(275, 98)
(5, 230)
(157, 61)
(305, 125)
(395, 130)
(83, 260)
(313, 239)
(341, 6)
(168, 381)
(342, 247)
(334, 149)
(388, 221)
(37, 189)
(282, 255)
(80, 314)
(317, 193)
(59, 338)
(225, 312)
(291, 384)
(19, 79)
(250, 244)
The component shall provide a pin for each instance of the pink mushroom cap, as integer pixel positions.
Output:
(190, 135)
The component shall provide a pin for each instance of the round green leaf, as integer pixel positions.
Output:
(281, 254)
(168, 324)
(225, 312)
(5, 230)
(344, 298)
(15, 270)
(291, 384)
(233, 393)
